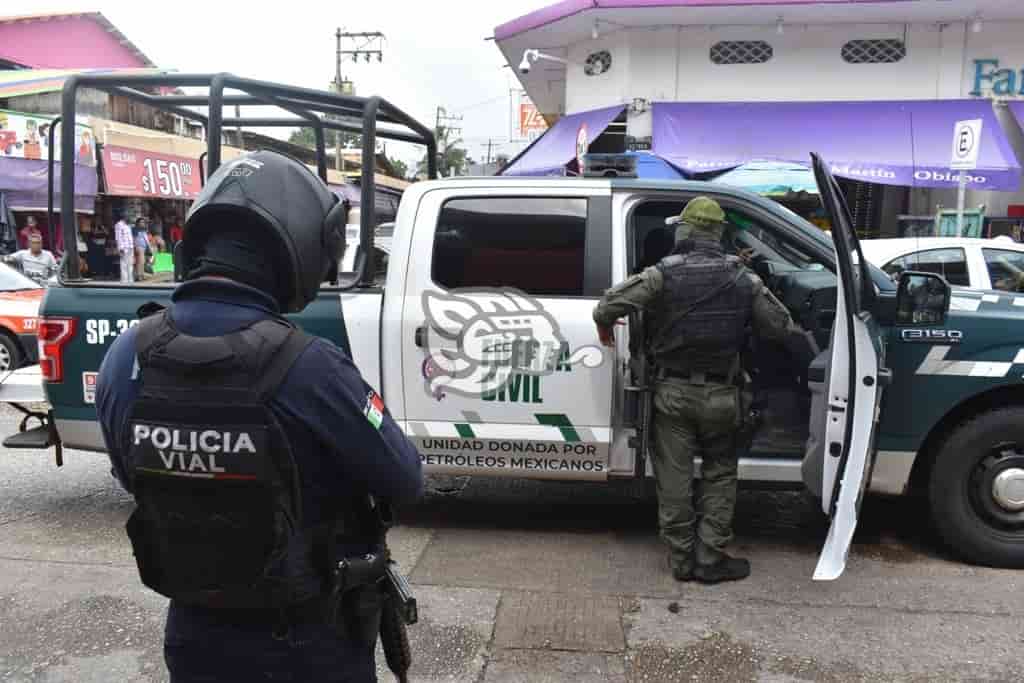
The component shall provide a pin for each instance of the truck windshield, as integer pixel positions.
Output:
(774, 249)
(744, 232)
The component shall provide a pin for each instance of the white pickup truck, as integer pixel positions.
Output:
(480, 338)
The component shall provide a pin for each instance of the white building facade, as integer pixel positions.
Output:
(638, 52)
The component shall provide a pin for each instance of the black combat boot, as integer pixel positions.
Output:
(714, 566)
(681, 571)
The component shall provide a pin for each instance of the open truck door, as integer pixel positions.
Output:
(843, 427)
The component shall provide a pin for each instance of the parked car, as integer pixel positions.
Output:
(964, 262)
(20, 297)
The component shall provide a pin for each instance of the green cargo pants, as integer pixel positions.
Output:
(695, 420)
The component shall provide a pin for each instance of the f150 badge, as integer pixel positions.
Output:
(932, 336)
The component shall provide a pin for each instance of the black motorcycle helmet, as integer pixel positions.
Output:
(267, 220)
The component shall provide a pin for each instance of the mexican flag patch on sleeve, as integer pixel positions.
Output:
(374, 410)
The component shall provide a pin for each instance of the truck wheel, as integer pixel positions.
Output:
(976, 490)
(10, 354)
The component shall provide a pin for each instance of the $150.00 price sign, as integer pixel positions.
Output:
(137, 173)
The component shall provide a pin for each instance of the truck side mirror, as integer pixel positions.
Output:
(922, 299)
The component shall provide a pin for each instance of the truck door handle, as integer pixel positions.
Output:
(419, 337)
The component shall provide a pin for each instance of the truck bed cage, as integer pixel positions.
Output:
(308, 108)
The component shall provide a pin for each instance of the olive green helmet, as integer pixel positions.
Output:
(701, 214)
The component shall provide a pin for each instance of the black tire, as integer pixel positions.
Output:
(969, 524)
(10, 354)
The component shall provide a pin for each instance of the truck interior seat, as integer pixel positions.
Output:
(554, 272)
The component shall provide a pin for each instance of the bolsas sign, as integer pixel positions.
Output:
(137, 173)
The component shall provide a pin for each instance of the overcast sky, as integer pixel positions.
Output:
(435, 53)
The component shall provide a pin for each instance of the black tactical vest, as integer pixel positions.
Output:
(218, 519)
(700, 317)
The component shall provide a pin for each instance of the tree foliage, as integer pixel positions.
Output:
(452, 157)
(401, 168)
(306, 138)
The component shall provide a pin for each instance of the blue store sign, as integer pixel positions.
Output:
(990, 79)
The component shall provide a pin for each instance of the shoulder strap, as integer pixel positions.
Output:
(671, 260)
(290, 343)
(154, 330)
(162, 345)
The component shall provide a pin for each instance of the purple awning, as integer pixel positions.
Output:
(549, 154)
(24, 182)
(892, 143)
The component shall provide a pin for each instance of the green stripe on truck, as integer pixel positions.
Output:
(561, 422)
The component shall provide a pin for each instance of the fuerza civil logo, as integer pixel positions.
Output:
(477, 339)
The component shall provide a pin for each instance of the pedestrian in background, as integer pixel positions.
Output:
(142, 249)
(125, 249)
(35, 262)
(175, 232)
(29, 228)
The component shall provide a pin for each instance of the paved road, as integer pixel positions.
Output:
(522, 581)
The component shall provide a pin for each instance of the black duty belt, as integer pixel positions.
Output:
(313, 610)
(697, 377)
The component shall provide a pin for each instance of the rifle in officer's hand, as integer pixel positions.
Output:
(369, 598)
(642, 383)
(399, 609)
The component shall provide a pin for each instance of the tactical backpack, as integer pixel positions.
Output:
(218, 519)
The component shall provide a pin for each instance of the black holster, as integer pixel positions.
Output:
(355, 601)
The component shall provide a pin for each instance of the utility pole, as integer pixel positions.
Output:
(371, 45)
(442, 118)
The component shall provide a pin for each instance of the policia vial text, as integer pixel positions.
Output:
(192, 450)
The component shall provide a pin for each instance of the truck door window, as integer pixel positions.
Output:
(1005, 269)
(653, 240)
(950, 263)
(536, 244)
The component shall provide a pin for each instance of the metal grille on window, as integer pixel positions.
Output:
(880, 51)
(741, 52)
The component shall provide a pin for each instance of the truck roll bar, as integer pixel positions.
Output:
(309, 109)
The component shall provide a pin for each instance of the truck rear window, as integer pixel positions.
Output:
(535, 244)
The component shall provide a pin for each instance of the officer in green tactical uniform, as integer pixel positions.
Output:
(698, 304)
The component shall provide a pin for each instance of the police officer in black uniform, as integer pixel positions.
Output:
(251, 448)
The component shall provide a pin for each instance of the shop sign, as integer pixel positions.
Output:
(138, 173)
(527, 122)
(990, 79)
(26, 136)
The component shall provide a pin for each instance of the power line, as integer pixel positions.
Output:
(341, 84)
(371, 39)
(480, 104)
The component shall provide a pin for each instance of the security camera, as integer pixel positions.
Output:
(528, 57)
